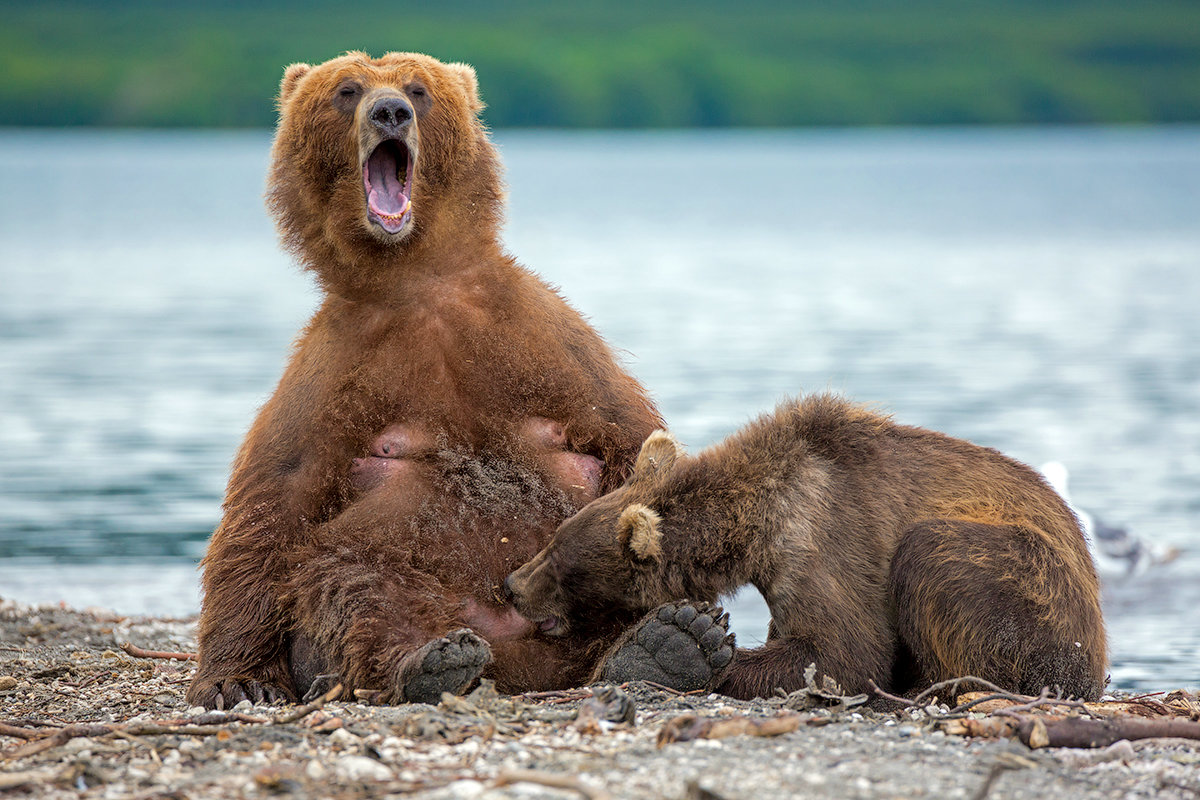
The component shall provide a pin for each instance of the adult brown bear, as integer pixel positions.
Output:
(884, 552)
(443, 411)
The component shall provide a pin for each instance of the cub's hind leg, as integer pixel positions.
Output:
(1010, 604)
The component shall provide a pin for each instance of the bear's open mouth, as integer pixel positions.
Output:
(387, 181)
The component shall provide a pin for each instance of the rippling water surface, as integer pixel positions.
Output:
(1033, 290)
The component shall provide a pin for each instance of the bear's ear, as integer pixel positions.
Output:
(657, 455)
(637, 527)
(291, 77)
(470, 84)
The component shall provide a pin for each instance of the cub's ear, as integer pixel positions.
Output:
(657, 455)
(470, 84)
(637, 527)
(291, 77)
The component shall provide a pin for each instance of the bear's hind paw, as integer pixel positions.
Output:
(448, 664)
(682, 645)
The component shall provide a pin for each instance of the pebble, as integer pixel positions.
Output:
(243, 707)
(316, 770)
(361, 768)
(7, 682)
(466, 788)
(344, 738)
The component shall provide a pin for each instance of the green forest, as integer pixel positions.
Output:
(620, 64)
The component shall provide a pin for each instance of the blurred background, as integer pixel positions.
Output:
(982, 217)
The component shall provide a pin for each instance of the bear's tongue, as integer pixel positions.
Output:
(387, 185)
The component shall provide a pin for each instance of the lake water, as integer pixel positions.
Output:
(1036, 291)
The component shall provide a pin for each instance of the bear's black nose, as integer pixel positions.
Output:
(508, 592)
(391, 114)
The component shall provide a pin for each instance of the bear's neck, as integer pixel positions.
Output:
(456, 233)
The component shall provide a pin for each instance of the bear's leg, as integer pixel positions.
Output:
(242, 635)
(380, 621)
(780, 664)
(681, 645)
(1002, 603)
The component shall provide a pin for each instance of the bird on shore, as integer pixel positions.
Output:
(1115, 549)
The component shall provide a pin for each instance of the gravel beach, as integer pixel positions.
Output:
(80, 717)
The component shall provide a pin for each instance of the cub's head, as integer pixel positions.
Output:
(606, 559)
(372, 154)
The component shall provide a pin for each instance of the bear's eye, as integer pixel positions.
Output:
(421, 99)
(347, 95)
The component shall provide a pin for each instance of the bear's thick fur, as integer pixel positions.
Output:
(442, 412)
(884, 552)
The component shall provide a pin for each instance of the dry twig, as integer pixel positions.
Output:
(137, 652)
(953, 685)
(304, 710)
(1041, 701)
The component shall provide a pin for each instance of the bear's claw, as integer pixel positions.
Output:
(448, 664)
(321, 685)
(681, 645)
(225, 693)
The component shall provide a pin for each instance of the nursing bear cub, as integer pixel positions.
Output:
(884, 552)
(442, 412)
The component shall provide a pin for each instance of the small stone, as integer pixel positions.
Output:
(195, 711)
(361, 768)
(466, 788)
(243, 707)
(316, 770)
(7, 682)
(344, 738)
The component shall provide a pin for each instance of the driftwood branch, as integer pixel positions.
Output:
(18, 733)
(60, 737)
(137, 652)
(511, 776)
(687, 727)
(1085, 732)
(38, 741)
(35, 777)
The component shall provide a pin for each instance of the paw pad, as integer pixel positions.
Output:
(448, 664)
(682, 645)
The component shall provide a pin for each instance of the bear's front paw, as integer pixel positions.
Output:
(225, 693)
(448, 664)
(681, 645)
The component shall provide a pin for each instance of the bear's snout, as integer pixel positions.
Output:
(535, 596)
(390, 115)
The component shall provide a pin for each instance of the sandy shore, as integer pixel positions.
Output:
(62, 670)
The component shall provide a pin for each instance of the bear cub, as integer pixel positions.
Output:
(885, 553)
